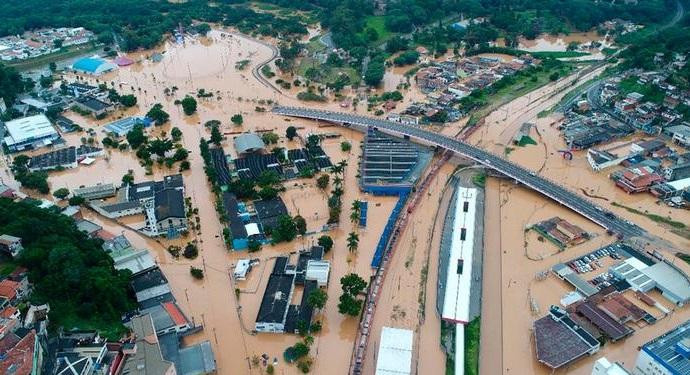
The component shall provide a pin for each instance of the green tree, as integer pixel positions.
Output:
(290, 132)
(128, 178)
(76, 201)
(61, 193)
(300, 224)
(180, 154)
(128, 100)
(352, 241)
(352, 284)
(31, 180)
(136, 136)
(237, 119)
(52, 66)
(191, 251)
(317, 299)
(345, 146)
(269, 138)
(326, 242)
(349, 305)
(253, 245)
(188, 105)
(157, 114)
(285, 230)
(322, 181)
(176, 134)
(185, 165)
(196, 273)
(216, 136)
(160, 146)
(45, 81)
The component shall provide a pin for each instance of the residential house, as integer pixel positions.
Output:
(10, 245)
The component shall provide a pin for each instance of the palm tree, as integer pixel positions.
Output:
(352, 241)
(337, 181)
(356, 206)
(354, 216)
(336, 169)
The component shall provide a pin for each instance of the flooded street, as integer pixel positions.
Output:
(408, 296)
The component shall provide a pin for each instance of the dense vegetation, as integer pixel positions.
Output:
(143, 23)
(69, 270)
(12, 84)
(138, 23)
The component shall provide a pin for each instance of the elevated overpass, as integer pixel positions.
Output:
(558, 193)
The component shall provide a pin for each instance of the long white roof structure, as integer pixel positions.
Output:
(395, 352)
(459, 276)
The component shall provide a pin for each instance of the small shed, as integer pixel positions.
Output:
(242, 267)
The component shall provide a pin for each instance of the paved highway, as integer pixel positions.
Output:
(574, 201)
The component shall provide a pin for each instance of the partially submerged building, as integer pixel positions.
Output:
(276, 314)
(29, 133)
(395, 352)
(668, 354)
(390, 163)
(560, 341)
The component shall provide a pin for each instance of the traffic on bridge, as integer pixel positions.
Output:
(574, 201)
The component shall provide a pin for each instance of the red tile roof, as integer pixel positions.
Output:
(175, 313)
(8, 288)
(7, 312)
(20, 357)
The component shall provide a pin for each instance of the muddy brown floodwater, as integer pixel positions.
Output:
(209, 64)
(513, 258)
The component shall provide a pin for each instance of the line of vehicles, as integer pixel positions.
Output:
(591, 262)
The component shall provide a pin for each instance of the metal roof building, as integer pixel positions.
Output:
(581, 285)
(395, 352)
(93, 65)
(668, 354)
(29, 132)
(672, 283)
(246, 143)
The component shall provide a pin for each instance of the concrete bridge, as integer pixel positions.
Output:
(558, 193)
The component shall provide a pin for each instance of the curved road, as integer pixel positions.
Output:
(554, 191)
(256, 70)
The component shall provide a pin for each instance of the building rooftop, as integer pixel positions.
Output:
(147, 359)
(28, 129)
(669, 279)
(249, 142)
(609, 326)
(268, 211)
(559, 340)
(672, 349)
(148, 279)
(93, 104)
(276, 299)
(19, 359)
(395, 352)
(169, 203)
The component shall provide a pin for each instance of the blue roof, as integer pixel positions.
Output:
(88, 64)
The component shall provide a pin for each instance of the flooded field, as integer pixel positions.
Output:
(560, 42)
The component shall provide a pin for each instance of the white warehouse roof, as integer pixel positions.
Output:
(395, 352)
(28, 128)
(456, 301)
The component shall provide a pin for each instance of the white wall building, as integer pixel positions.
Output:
(603, 366)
